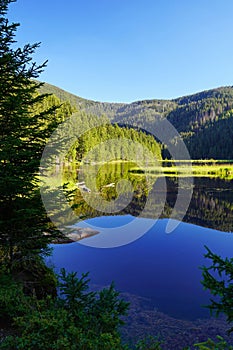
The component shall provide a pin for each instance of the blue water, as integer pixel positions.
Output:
(163, 267)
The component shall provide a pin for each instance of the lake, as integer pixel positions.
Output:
(162, 267)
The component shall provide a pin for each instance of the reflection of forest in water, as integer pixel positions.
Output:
(211, 205)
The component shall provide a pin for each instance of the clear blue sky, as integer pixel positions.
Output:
(127, 50)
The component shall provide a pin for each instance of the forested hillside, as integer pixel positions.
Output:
(65, 106)
(126, 151)
(204, 120)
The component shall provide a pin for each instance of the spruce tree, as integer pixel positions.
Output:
(24, 129)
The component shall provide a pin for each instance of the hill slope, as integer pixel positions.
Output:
(205, 119)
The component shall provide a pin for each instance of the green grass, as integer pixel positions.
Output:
(201, 168)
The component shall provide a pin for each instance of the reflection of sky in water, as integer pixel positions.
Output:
(115, 231)
(163, 267)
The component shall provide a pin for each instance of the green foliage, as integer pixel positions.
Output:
(149, 343)
(78, 319)
(220, 283)
(13, 302)
(103, 307)
(74, 290)
(221, 344)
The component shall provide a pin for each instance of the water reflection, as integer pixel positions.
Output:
(211, 204)
(164, 268)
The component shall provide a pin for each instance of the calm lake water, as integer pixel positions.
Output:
(162, 267)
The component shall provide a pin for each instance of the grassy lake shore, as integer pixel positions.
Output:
(201, 168)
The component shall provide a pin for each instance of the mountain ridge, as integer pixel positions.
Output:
(206, 92)
(204, 119)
